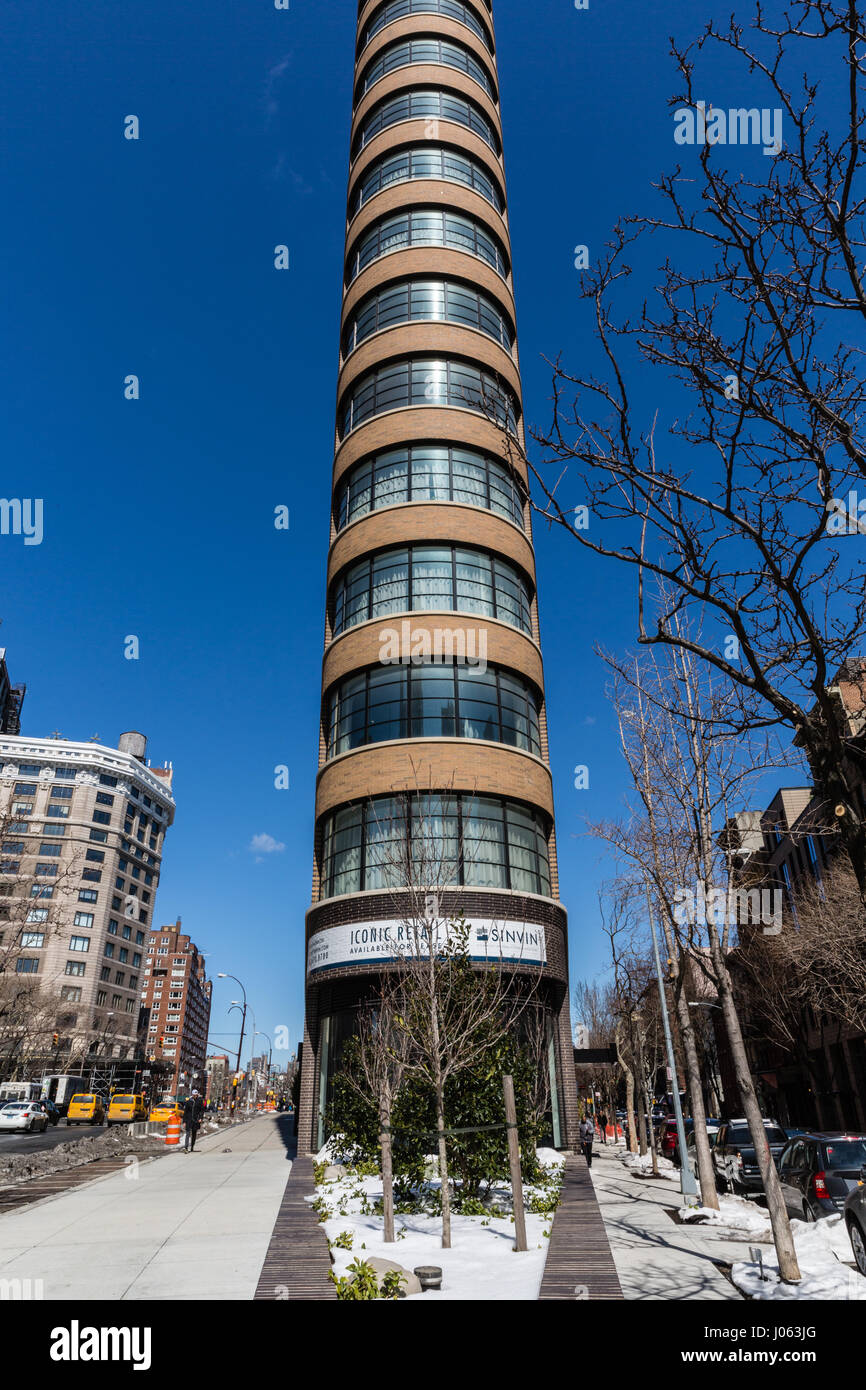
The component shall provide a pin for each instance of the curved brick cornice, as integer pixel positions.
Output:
(415, 424)
(411, 193)
(360, 646)
(409, 765)
(417, 523)
(431, 263)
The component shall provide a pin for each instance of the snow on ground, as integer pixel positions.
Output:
(735, 1214)
(826, 1263)
(643, 1164)
(481, 1264)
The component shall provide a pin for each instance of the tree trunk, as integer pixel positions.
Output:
(629, 1110)
(652, 1136)
(443, 1169)
(641, 1122)
(789, 1269)
(387, 1171)
(706, 1173)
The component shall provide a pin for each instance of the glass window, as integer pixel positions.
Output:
(478, 841)
(419, 301)
(439, 51)
(430, 578)
(425, 104)
(428, 381)
(399, 9)
(27, 965)
(32, 938)
(79, 943)
(425, 162)
(74, 967)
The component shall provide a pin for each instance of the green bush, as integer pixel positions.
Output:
(363, 1286)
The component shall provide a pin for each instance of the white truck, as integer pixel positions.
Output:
(61, 1087)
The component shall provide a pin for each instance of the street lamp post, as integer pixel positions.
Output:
(259, 1034)
(222, 975)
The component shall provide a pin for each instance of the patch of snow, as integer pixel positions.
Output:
(482, 1263)
(826, 1264)
(642, 1164)
(734, 1214)
(550, 1158)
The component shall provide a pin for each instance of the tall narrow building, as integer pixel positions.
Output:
(433, 708)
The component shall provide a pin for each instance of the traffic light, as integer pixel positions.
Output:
(161, 1039)
(55, 1039)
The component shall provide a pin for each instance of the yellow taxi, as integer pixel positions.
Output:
(164, 1110)
(85, 1110)
(124, 1109)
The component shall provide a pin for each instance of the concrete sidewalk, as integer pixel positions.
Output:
(655, 1257)
(184, 1226)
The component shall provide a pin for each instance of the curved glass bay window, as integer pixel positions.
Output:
(425, 162)
(426, 301)
(444, 52)
(427, 578)
(450, 701)
(474, 841)
(402, 9)
(427, 381)
(426, 103)
(427, 227)
(428, 473)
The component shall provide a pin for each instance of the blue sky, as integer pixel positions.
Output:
(155, 257)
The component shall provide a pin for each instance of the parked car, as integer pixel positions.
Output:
(126, 1109)
(25, 1116)
(855, 1220)
(734, 1157)
(691, 1148)
(666, 1137)
(818, 1171)
(50, 1110)
(85, 1109)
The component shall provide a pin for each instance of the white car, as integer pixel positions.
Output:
(24, 1115)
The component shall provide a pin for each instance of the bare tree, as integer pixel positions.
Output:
(701, 769)
(738, 491)
(381, 1057)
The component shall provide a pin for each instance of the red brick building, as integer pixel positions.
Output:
(175, 1008)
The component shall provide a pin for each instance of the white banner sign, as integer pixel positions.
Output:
(365, 943)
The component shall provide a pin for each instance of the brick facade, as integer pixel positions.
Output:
(445, 764)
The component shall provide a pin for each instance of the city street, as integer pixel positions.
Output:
(182, 1226)
(12, 1143)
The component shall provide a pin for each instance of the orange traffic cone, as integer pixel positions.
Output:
(172, 1132)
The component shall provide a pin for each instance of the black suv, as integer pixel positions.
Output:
(734, 1157)
(818, 1170)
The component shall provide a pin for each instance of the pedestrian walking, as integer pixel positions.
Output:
(602, 1120)
(192, 1113)
(587, 1134)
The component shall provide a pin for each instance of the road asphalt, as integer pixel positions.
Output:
(182, 1226)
